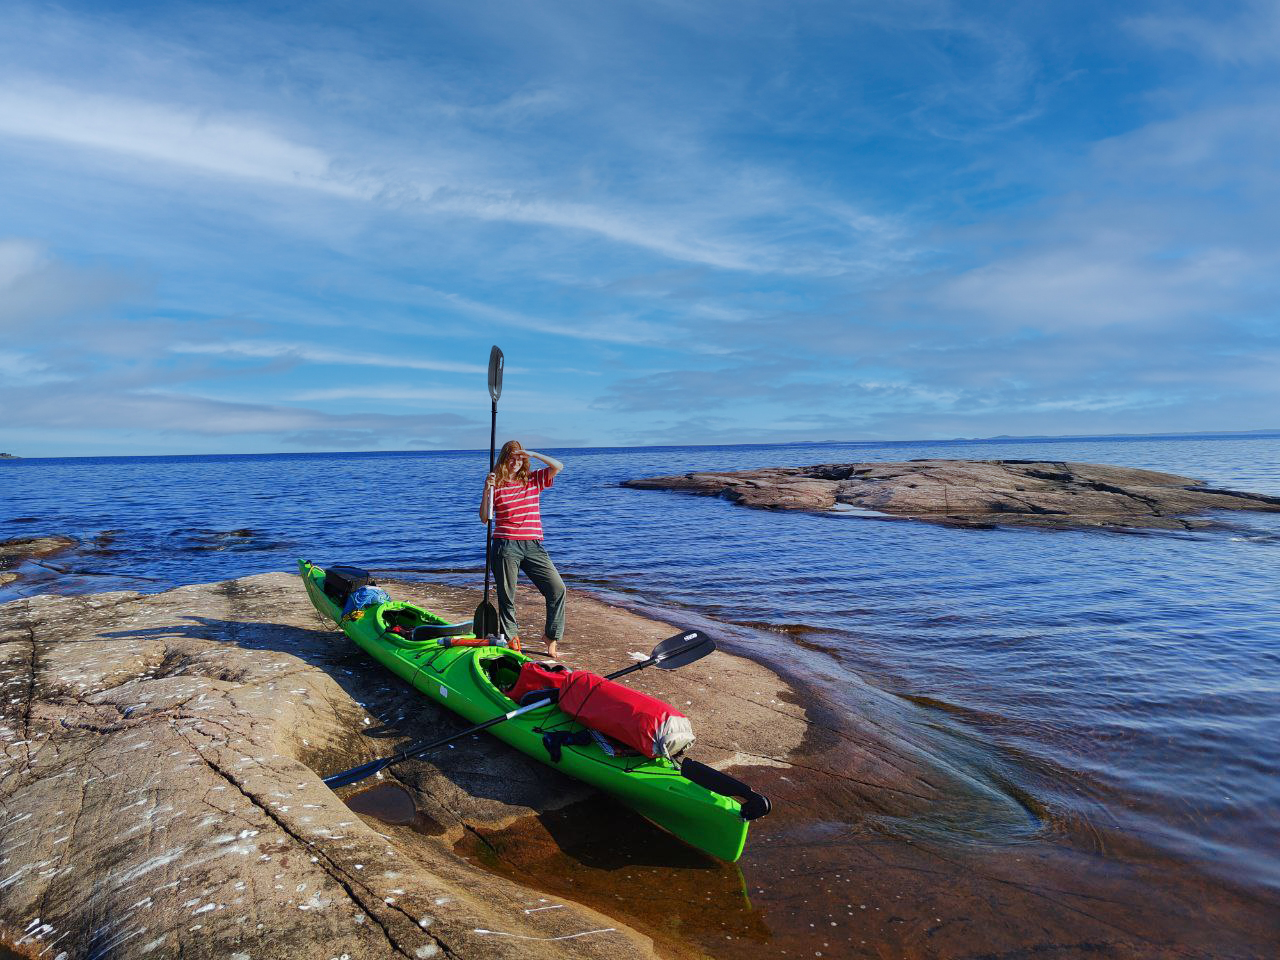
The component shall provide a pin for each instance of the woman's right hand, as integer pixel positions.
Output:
(490, 480)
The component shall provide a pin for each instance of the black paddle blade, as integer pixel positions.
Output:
(682, 649)
(356, 774)
(495, 373)
(485, 622)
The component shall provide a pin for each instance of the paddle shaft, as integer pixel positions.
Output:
(348, 777)
(488, 532)
(631, 669)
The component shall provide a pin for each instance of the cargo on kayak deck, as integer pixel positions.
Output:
(642, 722)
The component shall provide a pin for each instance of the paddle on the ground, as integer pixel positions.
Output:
(486, 618)
(670, 654)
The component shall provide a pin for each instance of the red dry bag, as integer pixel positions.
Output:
(642, 722)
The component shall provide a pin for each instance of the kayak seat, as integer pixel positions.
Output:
(503, 671)
(434, 631)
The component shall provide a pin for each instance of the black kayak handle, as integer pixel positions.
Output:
(754, 805)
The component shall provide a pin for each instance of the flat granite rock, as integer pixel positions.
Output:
(160, 786)
(979, 493)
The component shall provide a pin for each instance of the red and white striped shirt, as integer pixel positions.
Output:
(516, 507)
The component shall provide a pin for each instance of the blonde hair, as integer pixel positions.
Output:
(503, 468)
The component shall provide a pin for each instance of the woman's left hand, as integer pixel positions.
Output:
(555, 465)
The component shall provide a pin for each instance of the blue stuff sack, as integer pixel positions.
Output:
(363, 597)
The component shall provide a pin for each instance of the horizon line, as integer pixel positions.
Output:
(672, 446)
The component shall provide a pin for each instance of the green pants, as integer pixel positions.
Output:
(509, 558)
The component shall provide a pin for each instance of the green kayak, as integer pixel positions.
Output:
(467, 680)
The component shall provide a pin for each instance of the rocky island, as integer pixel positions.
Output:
(979, 493)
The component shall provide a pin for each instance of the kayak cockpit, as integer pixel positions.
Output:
(502, 670)
(406, 625)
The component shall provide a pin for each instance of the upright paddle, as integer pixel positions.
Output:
(485, 622)
(670, 654)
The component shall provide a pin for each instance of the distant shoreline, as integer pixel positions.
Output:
(1063, 438)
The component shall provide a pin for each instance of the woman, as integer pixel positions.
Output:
(517, 538)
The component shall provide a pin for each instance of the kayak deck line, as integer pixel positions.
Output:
(682, 799)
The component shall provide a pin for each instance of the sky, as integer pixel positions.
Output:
(273, 227)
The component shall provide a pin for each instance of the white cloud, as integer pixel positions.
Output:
(22, 368)
(674, 241)
(269, 350)
(616, 329)
(429, 394)
(89, 406)
(1252, 37)
(1088, 285)
(36, 288)
(18, 258)
(182, 136)
(704, 226)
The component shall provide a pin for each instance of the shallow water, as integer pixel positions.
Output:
(1118, 692)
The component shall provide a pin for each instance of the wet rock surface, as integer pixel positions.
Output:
(979, 493)
(19, 550)
(160, 791)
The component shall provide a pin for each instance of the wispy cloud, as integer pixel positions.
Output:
(302, 352)
(36, 287)
(189, 414)
(1251, 36)
(156, 132)
(613, 329)
(436, 395)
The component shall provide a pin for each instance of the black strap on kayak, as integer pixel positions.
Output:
(557, 741)
(754, 805)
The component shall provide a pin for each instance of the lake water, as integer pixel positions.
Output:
(1125, 686)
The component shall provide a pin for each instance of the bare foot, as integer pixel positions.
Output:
(552, 651)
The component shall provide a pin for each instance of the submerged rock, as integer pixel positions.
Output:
(14, 552)
(978, 493)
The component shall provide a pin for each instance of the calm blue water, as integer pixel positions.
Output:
(1129, 684)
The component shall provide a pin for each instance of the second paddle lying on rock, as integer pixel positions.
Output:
(635, 762)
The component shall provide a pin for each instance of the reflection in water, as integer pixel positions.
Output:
(602, 854)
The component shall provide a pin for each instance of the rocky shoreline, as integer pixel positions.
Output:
(979, 493)
(160, 795)
(159, 788)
